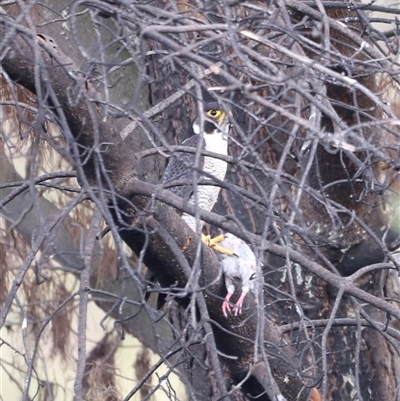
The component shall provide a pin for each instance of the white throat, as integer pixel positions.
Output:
(217, 142)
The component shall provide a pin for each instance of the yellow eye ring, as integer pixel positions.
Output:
(215, 113)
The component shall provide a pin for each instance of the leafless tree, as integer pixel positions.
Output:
(97, 95)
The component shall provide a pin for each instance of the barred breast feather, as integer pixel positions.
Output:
(181, 166)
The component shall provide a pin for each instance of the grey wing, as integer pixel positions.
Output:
(180, 168)
(243, 265)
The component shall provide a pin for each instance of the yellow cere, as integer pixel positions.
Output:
(216, 114)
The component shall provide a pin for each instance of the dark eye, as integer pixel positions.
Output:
(215, 113)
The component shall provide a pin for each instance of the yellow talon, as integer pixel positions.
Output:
(213, 243)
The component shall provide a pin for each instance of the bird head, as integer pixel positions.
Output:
(214, 120)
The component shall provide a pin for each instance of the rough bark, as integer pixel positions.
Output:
(305, 283)
(121, 163)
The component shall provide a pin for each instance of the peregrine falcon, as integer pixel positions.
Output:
(214, 132)
(237, 259)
